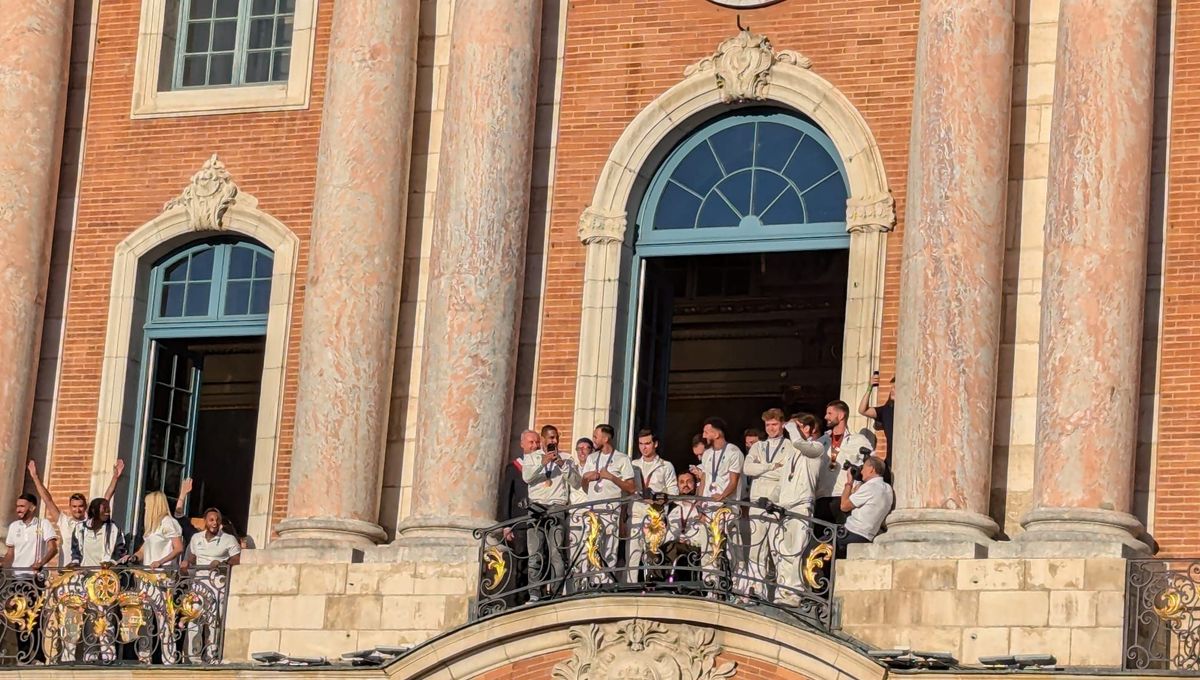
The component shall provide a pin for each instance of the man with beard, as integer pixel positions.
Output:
(549, 477)
(797, 491)
(608, 475)
(829, 500)
(68, 522)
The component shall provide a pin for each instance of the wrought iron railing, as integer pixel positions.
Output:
(1162, 615)
(112, 615)
(743, 553)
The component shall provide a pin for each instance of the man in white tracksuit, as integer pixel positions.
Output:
(764, 466)
(797, 491)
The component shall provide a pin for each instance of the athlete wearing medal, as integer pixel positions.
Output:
(608, 475)
(721, 466)
(657, 476)
(764, 466)
(797, 492)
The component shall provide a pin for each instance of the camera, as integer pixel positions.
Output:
(551, 447)
(856, 470)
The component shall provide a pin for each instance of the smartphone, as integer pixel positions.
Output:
(551, 447)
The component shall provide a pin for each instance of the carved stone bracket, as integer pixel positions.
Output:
(874, 213)
(640, 649)
(596, 226)
(207, 196)
(742, 66)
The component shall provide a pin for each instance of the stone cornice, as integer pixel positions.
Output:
(596, 226)
(873, 213)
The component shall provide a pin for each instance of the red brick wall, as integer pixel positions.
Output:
(1177, 495)
(621, 54)
(132, 167)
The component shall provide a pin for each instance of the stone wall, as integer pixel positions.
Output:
(314, 609)
(1071, 608)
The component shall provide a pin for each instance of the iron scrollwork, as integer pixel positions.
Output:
(1162, 615)
(737, 552)
(112, 615)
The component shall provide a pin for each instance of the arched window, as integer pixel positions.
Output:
(748, 178)
(214, 282)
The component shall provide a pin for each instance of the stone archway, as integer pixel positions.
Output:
(640, 636)
(744, 68)
(210, 204)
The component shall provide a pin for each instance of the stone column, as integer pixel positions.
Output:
(950, 287)
(33, 69)
(477, 264)
(348, 341)
(1094, 276)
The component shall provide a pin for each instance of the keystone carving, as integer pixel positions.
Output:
(876, 213)
(600, 227)
(207, 196)
(742, 66)
(639, 649)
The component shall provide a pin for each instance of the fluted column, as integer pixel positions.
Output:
(950, 289)
(1094, 275)
(33, 98)
(348, 341)
(477, 267)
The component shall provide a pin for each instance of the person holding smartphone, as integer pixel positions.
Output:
(883, 414)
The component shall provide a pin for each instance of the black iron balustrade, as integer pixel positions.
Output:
(112, 615)
(1162, 615)
(737, 552)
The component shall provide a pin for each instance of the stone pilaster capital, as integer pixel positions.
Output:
(598, 226)
(207, 197)
(870, 214)
(742, 66)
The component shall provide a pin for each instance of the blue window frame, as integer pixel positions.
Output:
(743, 181)
(224, 283)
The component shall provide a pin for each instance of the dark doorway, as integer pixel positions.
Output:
(734, 335)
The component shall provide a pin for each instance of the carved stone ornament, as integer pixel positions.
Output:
(639, 649)
(742, 66)
(207, 197)
(600, 227)
(870, 214)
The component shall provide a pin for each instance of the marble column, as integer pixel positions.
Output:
(1094, 275)
(950, 287)
(477, 264)
(351, 301)
(33, 71)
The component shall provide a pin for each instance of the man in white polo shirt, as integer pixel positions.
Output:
(76, 514)
(608, 475)
(721, 465)
(31, 540)
(548, 474)
(657, 476)
(210, 548)
(868, 503)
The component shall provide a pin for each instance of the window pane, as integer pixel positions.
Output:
(176, 451)
(283, 62)
(283, 31)
(775, 145)
(258, 67)
(262, 265)
(202, 265)
(261, 300)
(154, 475)
(260, 33)
(227, 8)
(676, 209)
(224, 33)
(716, 213)
(734, 146)
(164, 370)
(241, 262)
(193, 71)
(287, 6)
(177, 271)
(161, 403)
(197, 37)
(826, 202)
(767, 185)
(785, 210)
(201, 9)
(698, 171)
(237, 298)
(172, 300)
(180, 405)
(220, 71)
(197, 300)
(263, 7)
(736, 189)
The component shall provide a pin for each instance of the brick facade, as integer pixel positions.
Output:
(621, 55)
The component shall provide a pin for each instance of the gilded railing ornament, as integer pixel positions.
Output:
(654, 529)
(817, 558)
(1168, 605)
(716, 534)
(103, 587)
(593, 539)
(493, 560)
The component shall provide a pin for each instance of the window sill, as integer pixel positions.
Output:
(208, 101)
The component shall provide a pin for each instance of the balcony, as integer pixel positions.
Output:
(1162, 615)
(747, 554)
(112, 616)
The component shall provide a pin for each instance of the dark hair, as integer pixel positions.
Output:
(547, 429)
(78, 497)
(28, 498)
(93, 511)
(754, 432)
(717, 424)
(584, 440)
(839, 405)
(607, 429)
(807, 419)
(697, 439)
(876, 463)
(647, 432)
(208, 510)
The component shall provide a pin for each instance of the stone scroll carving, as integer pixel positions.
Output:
(639, 649)
(206, 198)
(742, 66)
(601, 227)
(873, 213)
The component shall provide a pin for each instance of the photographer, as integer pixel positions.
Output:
(868, 499)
